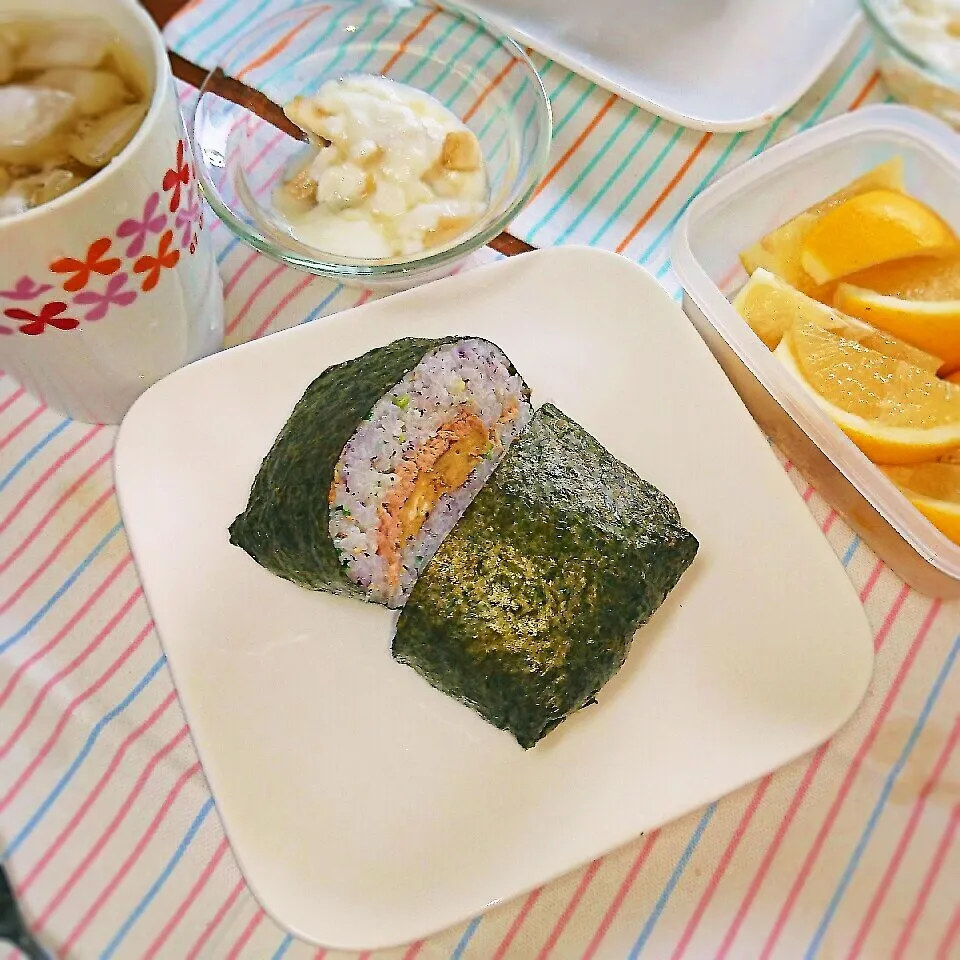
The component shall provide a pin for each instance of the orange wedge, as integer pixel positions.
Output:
(931, 325)
(771, 306)
(779, 251)
(934, 489)
(916, 278)
(870, 229)
(895, 412)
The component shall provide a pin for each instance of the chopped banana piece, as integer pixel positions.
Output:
(8, 60)
(461, 151)
(302, 187)
(5, 179)
(96, 142)
(31, 119)
(77, 44)
(97, 91)
(307, 114)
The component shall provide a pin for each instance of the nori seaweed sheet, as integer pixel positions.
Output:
(286, 524)
(530, 605)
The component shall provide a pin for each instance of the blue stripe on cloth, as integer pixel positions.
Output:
(71, 771)
(465, 939)
(674, 879)
(157, 884)
(285, 945)
(584, 173)
(61, 590)
(599, 195)
(817, 942)
(32, 452)
(637, 187)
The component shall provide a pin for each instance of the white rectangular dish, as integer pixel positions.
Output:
(367, 809)
(712, 64)
(737, 211)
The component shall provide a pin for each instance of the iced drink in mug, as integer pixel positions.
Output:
(107, 278)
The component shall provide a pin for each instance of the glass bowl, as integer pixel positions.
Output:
(912, 77)
(483, 78)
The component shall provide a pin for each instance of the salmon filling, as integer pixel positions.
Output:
(439, 466)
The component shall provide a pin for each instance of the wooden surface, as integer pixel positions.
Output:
(163, 10)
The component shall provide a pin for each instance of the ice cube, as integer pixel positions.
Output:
(31, 121)
(49, 185)
(7, 59)
(78, 44)
(97, 91)
(96, 142)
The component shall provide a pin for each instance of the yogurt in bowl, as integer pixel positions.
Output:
(439, 143)
(399, 172)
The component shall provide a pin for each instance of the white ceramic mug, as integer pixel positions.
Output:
(108, 288)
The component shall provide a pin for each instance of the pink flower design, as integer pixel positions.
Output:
(49, 316)
(26, 289)
(4, 331)
(113, 296)
(187, 215)
(138, 229)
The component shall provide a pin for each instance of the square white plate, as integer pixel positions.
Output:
(712, 64)
(365, 808)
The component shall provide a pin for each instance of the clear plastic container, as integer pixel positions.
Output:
(756, 198)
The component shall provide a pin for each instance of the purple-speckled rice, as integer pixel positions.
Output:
(471, 375)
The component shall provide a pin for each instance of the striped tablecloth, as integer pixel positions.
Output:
(106, 822)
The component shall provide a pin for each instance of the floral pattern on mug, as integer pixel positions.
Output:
(34, 324)
(177, 177)
(94, 262)
(188, 215)
(113, 295)
(150, 222)
(118, 292)
(25, 289)
(153, 265)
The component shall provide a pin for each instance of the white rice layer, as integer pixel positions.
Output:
(471, 376)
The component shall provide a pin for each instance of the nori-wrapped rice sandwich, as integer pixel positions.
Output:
(377, 462)
(531, 602)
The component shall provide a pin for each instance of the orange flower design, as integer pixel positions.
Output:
(153, 266)
(95, 261)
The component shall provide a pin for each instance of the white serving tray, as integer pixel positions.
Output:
(365, 808)
(711, 64)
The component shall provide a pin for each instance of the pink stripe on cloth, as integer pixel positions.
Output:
(111, 828)
(65, 671)
(508, 939)
(115, 881)
(953, 928)
(721, 868)
(894, 865)
(796, 802)
(852, 771)
(58, 637)
(245, 935)
(54, 553)
(621, 895)
(12, 399)
(261, 286)
(217, 919)
(569, 910)
(20, 427)
(275, 312)
(929, 881)
(92, 797)
(188, 901)
(413, 950)
(68, 712)
(47, 474)
(45, 519)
